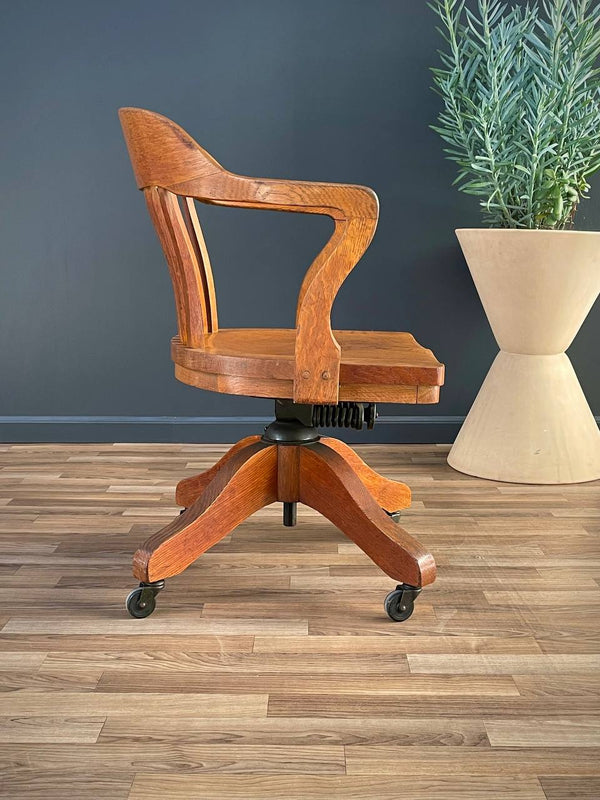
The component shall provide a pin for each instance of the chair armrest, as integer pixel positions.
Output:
(317, 352)
(355, 211)
(336, 200)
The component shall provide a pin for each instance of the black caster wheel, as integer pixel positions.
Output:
(141, 602)
(183, 510)
(400, 604)
(394, 516)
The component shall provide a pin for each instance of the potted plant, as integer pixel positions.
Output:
(521, 118)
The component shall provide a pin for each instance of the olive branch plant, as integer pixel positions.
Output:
(521, 106)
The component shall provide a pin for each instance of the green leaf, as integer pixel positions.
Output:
(520, 89)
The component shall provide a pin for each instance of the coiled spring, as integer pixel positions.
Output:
(345, 415)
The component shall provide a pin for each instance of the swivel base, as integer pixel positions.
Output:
(290, 463)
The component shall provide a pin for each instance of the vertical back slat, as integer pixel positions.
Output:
(197, 238)
(184, 267)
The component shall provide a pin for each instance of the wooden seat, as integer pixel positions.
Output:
(375, 366)
(309, 370)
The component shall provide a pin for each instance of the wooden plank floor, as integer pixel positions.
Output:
(269, 669)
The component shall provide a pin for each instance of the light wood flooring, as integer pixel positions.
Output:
(269, 669)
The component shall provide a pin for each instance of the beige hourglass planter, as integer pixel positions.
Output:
(530, 422)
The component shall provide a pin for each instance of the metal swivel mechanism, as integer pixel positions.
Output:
(297, 423)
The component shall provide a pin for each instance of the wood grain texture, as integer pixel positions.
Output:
(277, 787)
(192, 223)
(558, 787)
(168, 164)
(288, 474)
(329, 485)
(253, 474)
(391, 495)
(383, 366)
(271, 672)
(184, 265)
(245, 483)
(274, 388)
(189, 490)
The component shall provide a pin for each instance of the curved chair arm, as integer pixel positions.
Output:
(163, 154)
(355, 211)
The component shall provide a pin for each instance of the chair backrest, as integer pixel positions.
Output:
(164, 155)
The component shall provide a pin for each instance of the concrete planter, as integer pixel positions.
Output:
(530, 422)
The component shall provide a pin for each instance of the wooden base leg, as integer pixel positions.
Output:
(245, 481)
(391, 495)
(189, 489)
(328, 483)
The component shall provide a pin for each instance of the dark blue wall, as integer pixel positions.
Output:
(334, 90)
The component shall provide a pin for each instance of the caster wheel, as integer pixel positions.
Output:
(141, 602)
(183, 510)
(400, 604)
(394, 516)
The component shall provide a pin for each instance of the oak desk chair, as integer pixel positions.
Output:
(318, 377)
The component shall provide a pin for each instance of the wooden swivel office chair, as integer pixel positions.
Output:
(318, 377)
